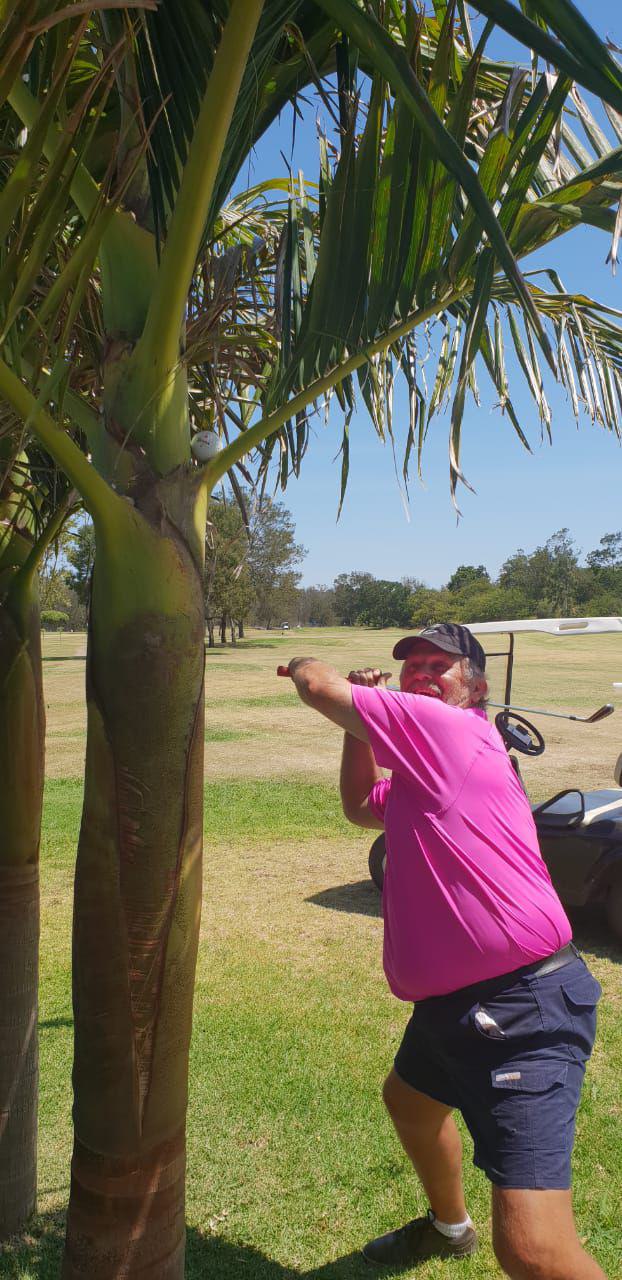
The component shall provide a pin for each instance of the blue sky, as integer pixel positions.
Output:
(520, 498)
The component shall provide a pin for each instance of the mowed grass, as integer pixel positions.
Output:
(292, 1162)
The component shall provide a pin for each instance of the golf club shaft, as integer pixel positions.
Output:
(537, 711)
(599, 714)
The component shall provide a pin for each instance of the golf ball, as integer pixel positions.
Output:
(205, 445)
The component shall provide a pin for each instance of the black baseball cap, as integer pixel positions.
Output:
(450, 636)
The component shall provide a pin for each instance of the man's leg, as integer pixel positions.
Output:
(535, 1238)
(430, 1138)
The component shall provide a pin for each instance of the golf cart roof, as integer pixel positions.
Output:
(554, 626)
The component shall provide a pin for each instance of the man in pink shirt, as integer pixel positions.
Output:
(476, 937)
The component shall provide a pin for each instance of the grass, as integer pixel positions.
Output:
(291, 1160)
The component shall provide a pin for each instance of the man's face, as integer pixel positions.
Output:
(436, 674)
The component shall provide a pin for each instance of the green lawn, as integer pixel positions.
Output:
(292, 1162)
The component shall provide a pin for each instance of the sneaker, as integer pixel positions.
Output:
(416, 1242)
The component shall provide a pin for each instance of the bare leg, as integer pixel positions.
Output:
(430, 1138)
(535, 1237)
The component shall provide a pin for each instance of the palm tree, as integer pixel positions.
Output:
(34, 502)
(138, 119)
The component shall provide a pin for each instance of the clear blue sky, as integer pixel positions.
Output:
(520, 498)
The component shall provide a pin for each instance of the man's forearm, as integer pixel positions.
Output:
(359, 773)
(321, 687)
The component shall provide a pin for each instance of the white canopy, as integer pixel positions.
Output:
(554, 626)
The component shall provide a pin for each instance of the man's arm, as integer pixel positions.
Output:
(359, 773)
(323, 688)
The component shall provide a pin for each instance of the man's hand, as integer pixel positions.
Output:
(292, 666)
(371, 676)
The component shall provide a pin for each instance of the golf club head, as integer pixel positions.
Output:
(602, 713)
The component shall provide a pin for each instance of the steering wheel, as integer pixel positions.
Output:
(519, 734)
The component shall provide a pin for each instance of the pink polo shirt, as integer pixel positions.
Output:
(467, 895)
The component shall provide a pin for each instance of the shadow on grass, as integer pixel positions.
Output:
(359, 898)
(208, 1255)
(62, 657)
(592, 934)
(38, 1254)
(51, 1024)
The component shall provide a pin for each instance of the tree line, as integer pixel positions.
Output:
(252, 577)
(549, 581)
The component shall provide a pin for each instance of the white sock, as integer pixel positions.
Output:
(452, 1229)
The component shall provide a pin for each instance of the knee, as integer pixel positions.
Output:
(522, 1258)
(391, 1096)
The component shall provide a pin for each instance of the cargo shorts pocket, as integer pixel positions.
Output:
(522, 1123)
(568, 1008)
(524, 1098)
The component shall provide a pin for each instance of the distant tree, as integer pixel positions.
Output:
(525, 573)
(605, 604)
(413, 584)
(548, 578)
(229, 594)
(54, 620)
(562, 573)
(284, 599)
(54, 591)
(491, 603)
(604, 573)
(466, 574)
(384, 604)
(608, 553)
(315, 606)
(272, 556)
(427, 605)
(81, 558)
(348, 588)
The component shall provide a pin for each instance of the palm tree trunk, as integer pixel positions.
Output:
(22, 739)
(137, 897)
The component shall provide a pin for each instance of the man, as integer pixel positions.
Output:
(477, 939)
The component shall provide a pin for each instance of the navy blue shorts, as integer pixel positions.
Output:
(510, 1054)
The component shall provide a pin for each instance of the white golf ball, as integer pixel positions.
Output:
(205, 445)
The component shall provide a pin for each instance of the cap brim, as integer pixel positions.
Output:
(404, 646)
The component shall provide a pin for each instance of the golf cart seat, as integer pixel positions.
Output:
(594, 813)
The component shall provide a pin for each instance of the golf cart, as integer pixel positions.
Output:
(580, 832)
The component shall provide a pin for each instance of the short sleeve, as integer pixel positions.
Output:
(429, 744)
(378, 796)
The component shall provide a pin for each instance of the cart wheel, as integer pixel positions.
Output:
(613, 908)
(376, 861)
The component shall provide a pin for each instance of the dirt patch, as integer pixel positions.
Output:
(300, 896)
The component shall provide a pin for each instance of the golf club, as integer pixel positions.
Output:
(600, 714)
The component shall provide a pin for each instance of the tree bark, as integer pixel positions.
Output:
(240, 630)
(22, 741)
(223, 629)
(138, 896)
